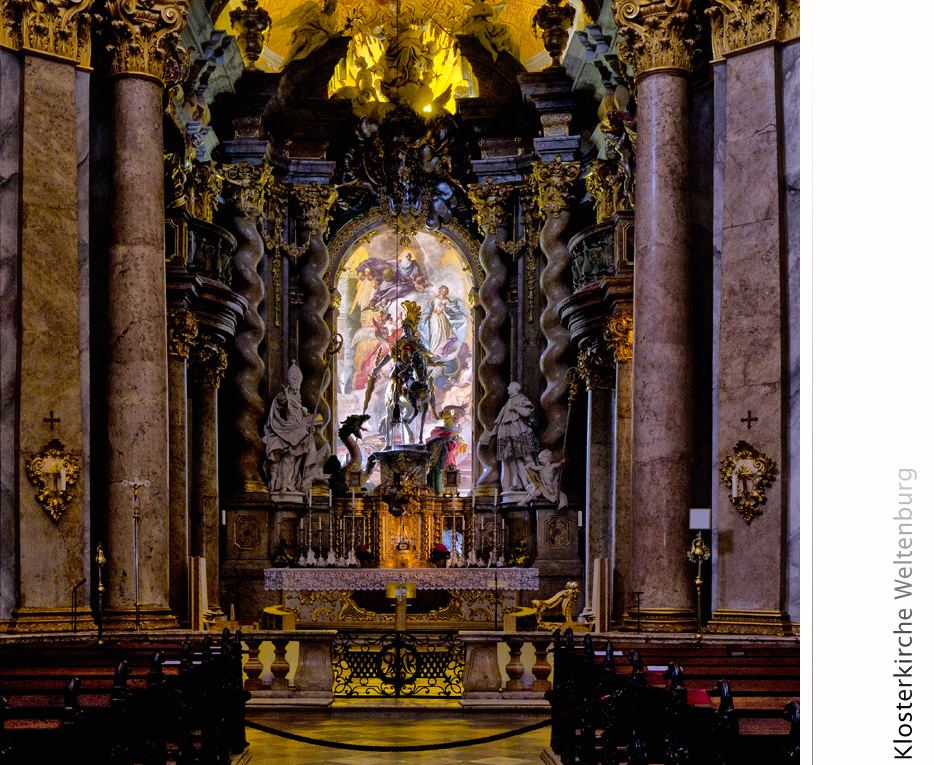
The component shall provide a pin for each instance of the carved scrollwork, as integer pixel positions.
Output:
(182, 333)
(203, 191)
(553, 182)
(144, 39)
(656, 35)
(489, 200)
(59, 29)
(747, 472)
(246, 188)
(315, 201)
(618, 335)
(53, 470)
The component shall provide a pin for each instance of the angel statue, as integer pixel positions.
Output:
(313, 27)
(545, 480)
(494, 37)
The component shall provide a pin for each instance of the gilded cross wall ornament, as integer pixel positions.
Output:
(208, 363)
(618, 334)
(315, 202)
(246, 188)
(59, 29)
(144, 37)
(53, 470)
(747, 473)
(738, 24)
(656, 35)
(553, 183)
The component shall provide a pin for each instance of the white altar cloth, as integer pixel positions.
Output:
(318, 579)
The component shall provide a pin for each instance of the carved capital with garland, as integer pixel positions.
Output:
(208, 363)
(489, 200)
(553, 182)
(204, 188)
(739, 24)
(144, 37)
(246, 188)
(657, 34)
(59, 29)
(182, 332)
(618, 335)
(596, 364)
(315, 201)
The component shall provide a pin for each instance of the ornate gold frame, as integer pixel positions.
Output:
(53, 470)
(748, 463)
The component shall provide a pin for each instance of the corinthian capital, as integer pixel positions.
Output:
(58, 29)
(660, 34)
(315, 201)
(245, 187)
(182, 333)
(738, 24)
(553, 181)
(489, 200)
(208, 363)
(144, 36)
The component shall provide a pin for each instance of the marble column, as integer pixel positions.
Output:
(662, 400)
(182, 332)
(490, 200)
(51, 540)
(143, 34)
(553, 181)
(315, 202)
(751, 591)
(246, 190)
(208, 362)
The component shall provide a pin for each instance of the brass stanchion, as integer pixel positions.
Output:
(698, 553)
(100, 560)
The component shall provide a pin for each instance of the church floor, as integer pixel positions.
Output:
(393, 727)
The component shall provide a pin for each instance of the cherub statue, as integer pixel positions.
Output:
(495, 38)
(544, 480)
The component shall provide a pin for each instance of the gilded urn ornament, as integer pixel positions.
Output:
(553, 22)
(251, 24)
(748, 472)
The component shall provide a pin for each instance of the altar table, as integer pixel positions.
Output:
(472, 598)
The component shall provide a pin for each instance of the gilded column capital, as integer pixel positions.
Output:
(144, 36)
(553, 182)
(246, 187)
(204, 187)
(315, 201)
(618, 335)
(59, 29)
(658, 34)
(596, 364)
(182, 332)
(739, 24)
(489, 200)
(208, 363)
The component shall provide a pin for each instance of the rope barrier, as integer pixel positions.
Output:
(422, 747)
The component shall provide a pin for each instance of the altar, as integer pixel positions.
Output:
(461, 598)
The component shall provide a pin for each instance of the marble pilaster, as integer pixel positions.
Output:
(10, 113)
(601, 483)
(51, 553)
(83, 148)
(659, 48)
(751, 566)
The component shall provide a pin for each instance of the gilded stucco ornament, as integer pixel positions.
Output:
(489, 201)
(553, 182)
(315, 202)
(656, 35)
(144, 37)
(596, 364)
(182, 333)
(246, 187)
(53, 470)
(203, 191)
(738, 24)
(747, 473)
(618, 335)
(208, 363)
(59, 29)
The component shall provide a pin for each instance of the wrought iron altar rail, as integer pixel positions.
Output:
(398, 664)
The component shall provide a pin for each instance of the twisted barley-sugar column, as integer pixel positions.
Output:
(662, 395)
(208, 362)
(553, 181)
(315, 201)
(246, 188)
(142, 45)
(490, 201)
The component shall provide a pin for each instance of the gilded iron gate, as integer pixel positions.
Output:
(398, 664)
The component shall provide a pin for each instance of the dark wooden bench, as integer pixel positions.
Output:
(670, 703)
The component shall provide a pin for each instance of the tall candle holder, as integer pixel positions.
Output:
(136, 484)
(100, 560)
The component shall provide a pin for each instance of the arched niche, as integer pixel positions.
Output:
(374, 270)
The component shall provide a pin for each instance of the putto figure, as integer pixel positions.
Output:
(293, 461)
